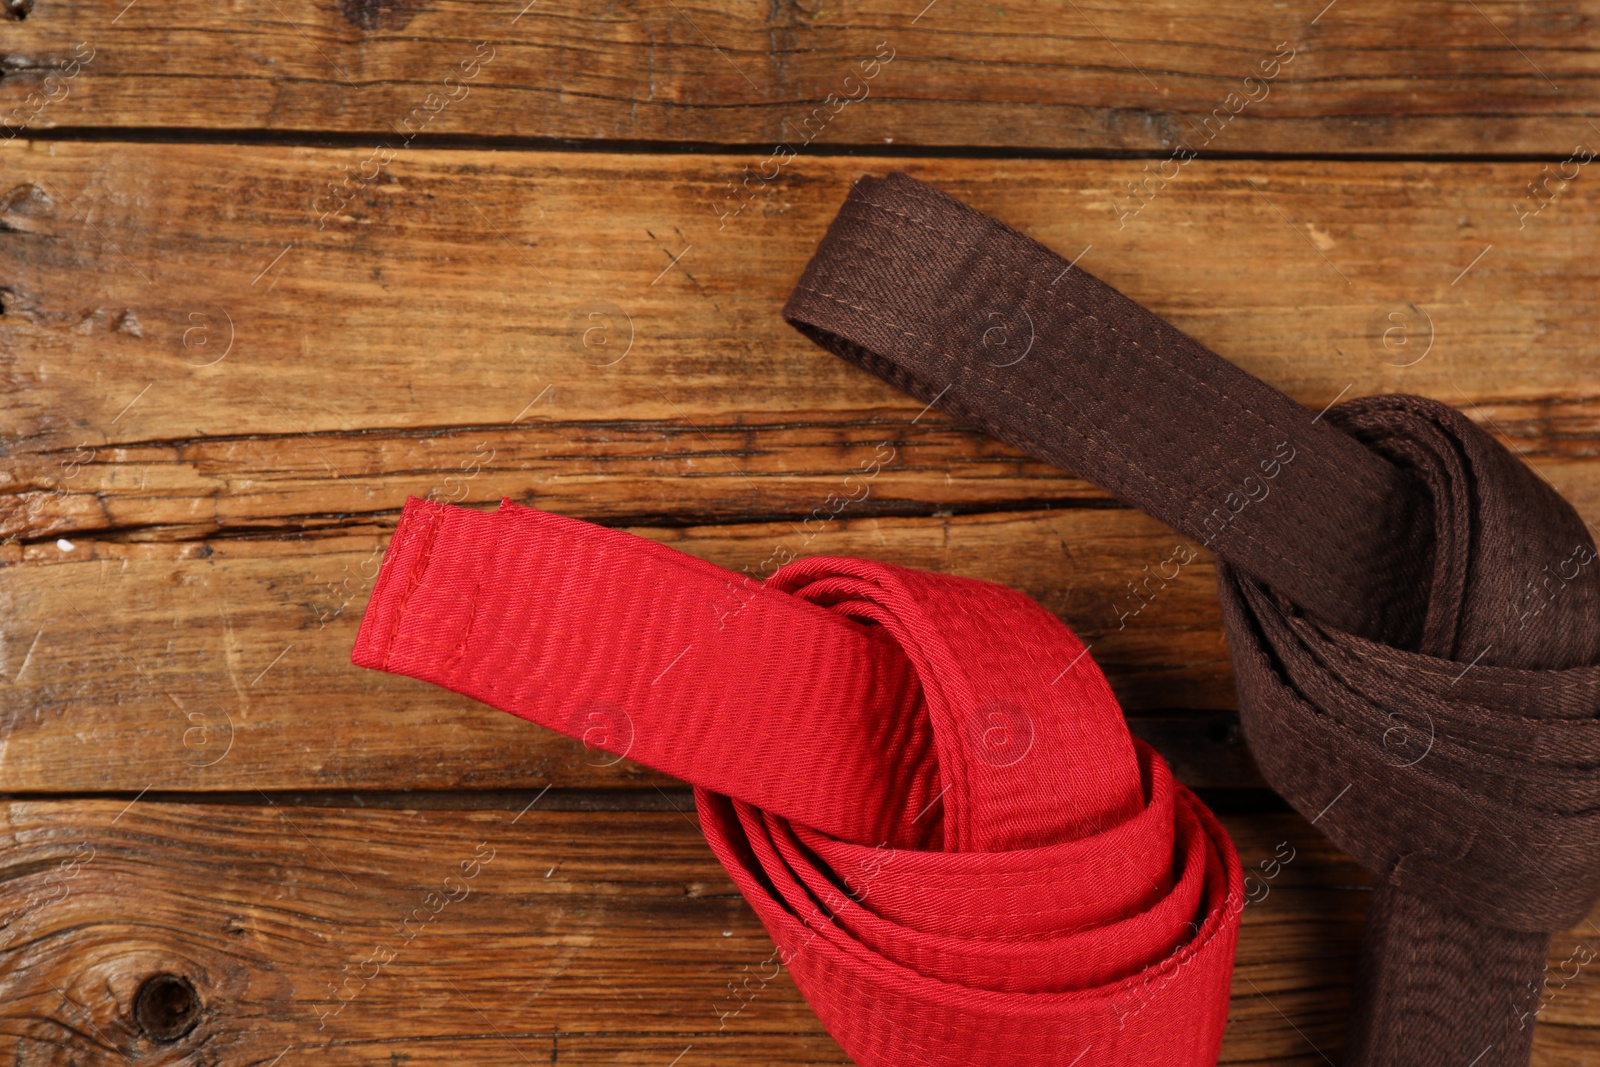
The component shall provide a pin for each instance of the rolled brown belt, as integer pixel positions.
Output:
(1413, 615)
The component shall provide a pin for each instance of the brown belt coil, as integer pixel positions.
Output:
(1413, 615)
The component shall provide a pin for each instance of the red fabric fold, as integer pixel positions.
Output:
(921, 783)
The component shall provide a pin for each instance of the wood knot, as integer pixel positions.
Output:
(24, 207)
(166, 1007)
(379, 14)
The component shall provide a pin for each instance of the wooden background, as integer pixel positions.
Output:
(264, 272)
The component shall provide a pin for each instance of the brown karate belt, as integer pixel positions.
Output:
(1413, 615)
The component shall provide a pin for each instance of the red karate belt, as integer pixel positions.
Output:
(922, 783)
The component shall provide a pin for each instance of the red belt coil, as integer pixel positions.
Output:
(922, 783)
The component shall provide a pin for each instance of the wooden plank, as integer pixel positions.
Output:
(664, 472)
(1424, 77)
(581, 938)
(451, 321)
(711, 469)
(224, 664)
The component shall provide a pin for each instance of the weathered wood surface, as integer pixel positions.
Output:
(580, 938)
(1412, 78)
(223, 367)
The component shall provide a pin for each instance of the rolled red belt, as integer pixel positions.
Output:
(921, 783)
(1413, 615)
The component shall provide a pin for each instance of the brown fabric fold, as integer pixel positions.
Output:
(1413, 615)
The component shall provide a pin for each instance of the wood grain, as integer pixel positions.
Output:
(665, 472)
(227, 356)
(581, 938)
(1426, 77)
